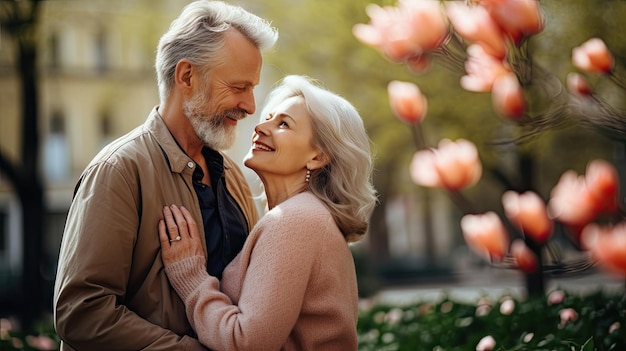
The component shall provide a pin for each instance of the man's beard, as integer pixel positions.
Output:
(212, 129)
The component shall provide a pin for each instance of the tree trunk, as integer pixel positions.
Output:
(21, 21)
(535, 285)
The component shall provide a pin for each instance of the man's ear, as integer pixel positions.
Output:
(182, 74)
(319, 161)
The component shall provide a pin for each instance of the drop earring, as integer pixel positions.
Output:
(308, 175)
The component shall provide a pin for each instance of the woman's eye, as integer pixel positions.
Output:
(283, 124)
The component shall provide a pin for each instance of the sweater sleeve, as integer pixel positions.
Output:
(284, 258)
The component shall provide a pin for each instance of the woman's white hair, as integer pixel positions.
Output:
(198, 35)
(345, 183)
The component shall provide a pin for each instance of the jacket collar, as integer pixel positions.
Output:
(175, 155)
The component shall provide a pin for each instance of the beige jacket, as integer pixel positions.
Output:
(111, 291)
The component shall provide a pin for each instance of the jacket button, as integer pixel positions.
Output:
(190, 164)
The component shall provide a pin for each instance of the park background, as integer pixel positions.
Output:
(95, 81)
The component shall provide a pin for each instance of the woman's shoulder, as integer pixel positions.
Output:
(299, 209)
(304, 202)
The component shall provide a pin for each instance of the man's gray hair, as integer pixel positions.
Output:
(198, 35)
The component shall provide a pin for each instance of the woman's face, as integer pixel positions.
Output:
(282, 145)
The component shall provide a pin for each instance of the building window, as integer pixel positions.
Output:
(57, 123)
(101, 52)
(55, 59)
(106, 127)
(56, 155)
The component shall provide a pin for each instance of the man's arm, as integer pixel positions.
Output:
(94, 268)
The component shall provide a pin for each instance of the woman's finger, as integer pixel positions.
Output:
(170, 223)
(193, 228)
(163, 238)
(180, 221)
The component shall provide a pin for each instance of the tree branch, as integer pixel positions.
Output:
(8, 169)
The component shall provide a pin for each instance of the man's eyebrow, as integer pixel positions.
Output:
(243, 82)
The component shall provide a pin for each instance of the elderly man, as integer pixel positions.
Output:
(111, 291)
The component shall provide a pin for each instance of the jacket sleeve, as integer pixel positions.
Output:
(283, 260)
(94, 267)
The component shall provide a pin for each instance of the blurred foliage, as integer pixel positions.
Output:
(532, 325)
(42, 337)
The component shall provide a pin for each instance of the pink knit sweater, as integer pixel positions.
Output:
(292, 287)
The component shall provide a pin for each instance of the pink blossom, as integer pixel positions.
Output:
(446, 307)
(474, 24)
(412, 29)
(613, 327)
(528, 212)
(556, 297)
(482, 310)
(602, 181)
(427, 23)
(507, 96)
(5, 328)
(17, 343)
(485, 234)
(593, 56)
(528, 337)
(482, 69)
(386, 32)
(567, 315)
(425, 308)
(607, 244)
(577, 200)
(525, 258)
(418, 64)
(517, 18)
(394, 316)
(453, 166)
(571, 202)
(483, 306)
(507, 306)
(487, 343)
(578, 85)
(41, 342)
(407, 101)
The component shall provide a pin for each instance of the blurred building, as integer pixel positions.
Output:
(97, 82)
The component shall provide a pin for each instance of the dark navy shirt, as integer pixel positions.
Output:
(225, 226)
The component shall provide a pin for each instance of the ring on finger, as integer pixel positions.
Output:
(175, 239)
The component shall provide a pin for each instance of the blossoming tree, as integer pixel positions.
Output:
(488, 40)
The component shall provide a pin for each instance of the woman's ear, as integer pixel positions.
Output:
(319, 161)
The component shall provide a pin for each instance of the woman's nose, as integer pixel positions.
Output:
(261, 129)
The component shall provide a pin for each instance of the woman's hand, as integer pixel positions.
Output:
(179, 237)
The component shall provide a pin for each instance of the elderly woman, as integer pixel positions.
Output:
(293, 286)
